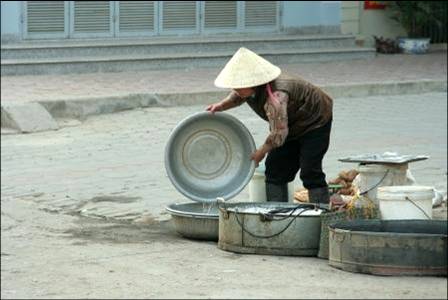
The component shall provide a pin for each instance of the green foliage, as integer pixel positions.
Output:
(415, 16)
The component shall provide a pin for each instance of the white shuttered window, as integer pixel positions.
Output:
(92, 16)
(45, 16)
(260, 13)
(136, 16)
(179, 15)
(77, 19)
(220, 14)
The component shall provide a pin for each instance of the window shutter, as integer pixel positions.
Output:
(220, 14)
(92, 16)
(136, 16)
(179, 15)
(261, 13)
(45, 16)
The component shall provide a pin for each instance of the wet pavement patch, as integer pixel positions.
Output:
(122, 208)
(122, 232)
(115, 199)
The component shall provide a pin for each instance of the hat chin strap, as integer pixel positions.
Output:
(272, 99)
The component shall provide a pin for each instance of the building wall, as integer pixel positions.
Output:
(311, 16)
(379, 23)
(297, 16)
(365, 23)
(350, 13)
(10, 16)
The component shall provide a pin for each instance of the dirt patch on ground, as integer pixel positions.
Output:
(97, 230)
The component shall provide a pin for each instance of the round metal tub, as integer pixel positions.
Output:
(208, 156)
(195, 220)
(389, 247)
(249, 228)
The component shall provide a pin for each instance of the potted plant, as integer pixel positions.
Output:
(414, 16)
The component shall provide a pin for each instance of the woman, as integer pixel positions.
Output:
(299, 116)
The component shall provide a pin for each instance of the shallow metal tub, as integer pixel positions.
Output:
(389, 247)
(245, 228)
(208, 156)
(195, 220)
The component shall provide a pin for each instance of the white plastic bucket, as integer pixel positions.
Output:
(257, 191)
(257, 187)
(405, 202)
(373, 176)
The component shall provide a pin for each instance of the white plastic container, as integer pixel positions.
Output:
(373, 176)
(257, 187)
(257, 191)
(405, 202)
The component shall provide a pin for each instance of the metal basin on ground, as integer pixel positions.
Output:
(195, 220)
(256, 228)
(389, 247)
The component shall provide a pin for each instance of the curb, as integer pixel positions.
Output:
(386, 88)
(81, 108)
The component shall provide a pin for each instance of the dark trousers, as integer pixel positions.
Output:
(304, 154)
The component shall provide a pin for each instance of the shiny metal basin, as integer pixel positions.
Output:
(208, 156)
(195, 220)
(244, 228)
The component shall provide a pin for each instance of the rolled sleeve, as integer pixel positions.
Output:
(277, 114)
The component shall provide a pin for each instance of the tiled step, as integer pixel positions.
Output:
(153, 46)
(181, 60)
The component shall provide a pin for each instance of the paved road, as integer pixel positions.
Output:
(112, 166)
(119, 157)
(381, 69)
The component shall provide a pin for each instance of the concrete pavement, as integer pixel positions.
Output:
(120, 156)
(77, 96)
(83, 209)
(383, 68)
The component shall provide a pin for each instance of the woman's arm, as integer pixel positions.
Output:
(278, 121)
(231, 101)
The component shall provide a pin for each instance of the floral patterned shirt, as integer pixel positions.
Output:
(276, 111)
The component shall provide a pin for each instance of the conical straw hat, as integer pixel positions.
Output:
(246, 69)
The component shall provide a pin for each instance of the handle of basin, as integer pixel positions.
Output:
(338, 237)
(220, 201)
(421, 209)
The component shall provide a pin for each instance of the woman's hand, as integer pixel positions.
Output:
(214, 107)
(258, 156)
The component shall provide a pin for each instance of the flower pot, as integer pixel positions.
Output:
(413, 45)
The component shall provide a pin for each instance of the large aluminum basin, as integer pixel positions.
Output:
(195, 220)
(208, 156)
(244, 228)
